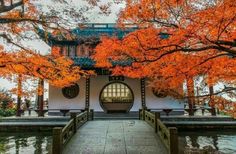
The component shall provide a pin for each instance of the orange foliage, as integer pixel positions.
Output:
(225, 105)
(58, 70)
(177, 41)
(191, 24)
(18, 21)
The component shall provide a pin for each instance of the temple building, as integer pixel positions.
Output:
(103, 92)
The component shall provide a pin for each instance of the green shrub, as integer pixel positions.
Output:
(7, 112)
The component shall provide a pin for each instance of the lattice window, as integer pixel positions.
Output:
(116, 92)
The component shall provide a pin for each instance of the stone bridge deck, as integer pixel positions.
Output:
(115, 137)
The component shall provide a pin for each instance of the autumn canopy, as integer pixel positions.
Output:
(177, 41)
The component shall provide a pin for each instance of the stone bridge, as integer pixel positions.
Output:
(115, 137)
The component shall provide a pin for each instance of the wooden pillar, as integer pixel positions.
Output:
(40, 97)
(174, 144)
(19, 93)
(157, 116)
(143, 110)
(73, 116)
(91, 114)
(87, 94)
(140, 116)
(143, 93)
(57, 140)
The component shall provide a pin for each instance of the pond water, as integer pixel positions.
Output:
(40, 143)
(25, 143)
(223, 141)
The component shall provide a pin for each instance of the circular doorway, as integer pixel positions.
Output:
(116, 97)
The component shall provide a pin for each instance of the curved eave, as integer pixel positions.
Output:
(89, 63)
(81, 35)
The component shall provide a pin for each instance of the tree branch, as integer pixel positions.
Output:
(4, 8)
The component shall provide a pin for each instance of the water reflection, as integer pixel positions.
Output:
(25, 143)
(224, 142)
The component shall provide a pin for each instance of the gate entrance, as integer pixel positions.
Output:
(116, 97)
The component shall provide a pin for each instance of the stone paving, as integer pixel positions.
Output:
(115, 137)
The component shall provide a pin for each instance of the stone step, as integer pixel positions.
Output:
(115, 116)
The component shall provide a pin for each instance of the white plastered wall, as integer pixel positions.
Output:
(58, 101)
(155, 102)
(97, 83)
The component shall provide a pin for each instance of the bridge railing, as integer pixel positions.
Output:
(62, 135)
(168, 135)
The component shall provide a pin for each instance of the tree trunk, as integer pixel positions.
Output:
(40, 97)
(190, 91)
(213, 110)
(19, 93)
(198, 101)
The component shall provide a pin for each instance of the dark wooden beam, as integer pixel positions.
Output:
(143, 93)
(87, 93)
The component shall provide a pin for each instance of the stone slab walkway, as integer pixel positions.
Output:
(115, 137)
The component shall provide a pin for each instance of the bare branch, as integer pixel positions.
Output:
(4, 8)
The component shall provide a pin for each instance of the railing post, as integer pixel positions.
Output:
(157, 116)
(139, 114)
(73, 116)
(91, 114)
(87, 114)
(173, 140)
(143, 110)
(57, 141)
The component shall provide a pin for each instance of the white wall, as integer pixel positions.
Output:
(58, 101)
(97, 83)
(153, 101)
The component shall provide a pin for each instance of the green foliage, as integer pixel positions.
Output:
(5, 99)
(6, 104)
(2, 148)
(7, 112)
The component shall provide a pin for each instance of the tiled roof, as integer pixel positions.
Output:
(88, 62)
(84, 32)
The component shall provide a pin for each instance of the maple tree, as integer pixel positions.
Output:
(58, 71)
(20, 18)
(19, 21)
(177, 41)
(192, 25)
